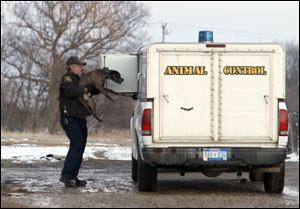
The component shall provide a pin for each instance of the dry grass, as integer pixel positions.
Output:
(121, 137)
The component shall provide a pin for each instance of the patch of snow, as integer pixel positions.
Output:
(101, 144)
(291, 191)
(293, 157)
(13, 139)
(30, 153)
(118, 153)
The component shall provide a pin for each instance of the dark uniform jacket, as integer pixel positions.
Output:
(69, 92)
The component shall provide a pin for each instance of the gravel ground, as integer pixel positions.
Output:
(110, 185)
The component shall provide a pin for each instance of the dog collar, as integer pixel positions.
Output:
(106, 72)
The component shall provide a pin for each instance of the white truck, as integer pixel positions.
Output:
(209, 107)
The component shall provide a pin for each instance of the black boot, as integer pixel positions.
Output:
(68, 182)
(80, 183)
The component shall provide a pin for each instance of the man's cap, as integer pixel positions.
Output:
(73, 60)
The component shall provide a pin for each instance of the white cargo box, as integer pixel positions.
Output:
(215, 107)
(227, 93)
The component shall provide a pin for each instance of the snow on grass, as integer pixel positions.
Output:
(13, 139)
(118, 153)
(30, 153)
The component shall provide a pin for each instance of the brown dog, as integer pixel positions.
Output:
(98, 79)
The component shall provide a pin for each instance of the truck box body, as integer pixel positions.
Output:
(232, 92)
(208, 104)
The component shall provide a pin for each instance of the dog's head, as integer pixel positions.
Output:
(115, 76)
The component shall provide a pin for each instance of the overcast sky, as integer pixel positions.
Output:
(230, 21)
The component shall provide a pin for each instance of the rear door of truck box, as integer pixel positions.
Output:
(244, 96)
(227, 100)
(185, 96)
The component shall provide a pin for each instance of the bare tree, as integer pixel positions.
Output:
(292, 63)
(292, 78)
(43, 34)
(292, 93)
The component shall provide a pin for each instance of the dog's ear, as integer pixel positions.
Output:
(116, 73)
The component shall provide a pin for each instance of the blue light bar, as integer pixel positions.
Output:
(205, 36)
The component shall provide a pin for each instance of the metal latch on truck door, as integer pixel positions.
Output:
(266, 98)
(166, 98)
(139, 76)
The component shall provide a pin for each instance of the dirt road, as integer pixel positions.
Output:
(110, 185)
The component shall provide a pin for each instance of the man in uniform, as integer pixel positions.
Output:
(73, 120)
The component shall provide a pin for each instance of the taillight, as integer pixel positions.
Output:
(283, 122)
(146, 122)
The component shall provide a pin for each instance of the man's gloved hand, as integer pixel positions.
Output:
(86, 96)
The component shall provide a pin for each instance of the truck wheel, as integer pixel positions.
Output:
(134, 169)
(255, 176)
(147, 177)
(274, 182)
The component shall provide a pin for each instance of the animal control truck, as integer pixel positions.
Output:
(208, 107)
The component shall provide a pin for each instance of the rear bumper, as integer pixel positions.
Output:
(247, 157)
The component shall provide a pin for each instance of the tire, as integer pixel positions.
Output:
(274, 182)
(147, 177)
(255, 176)
(134, 169)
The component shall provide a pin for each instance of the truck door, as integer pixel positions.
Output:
(127, 66)
(185, 96)
(244, 96)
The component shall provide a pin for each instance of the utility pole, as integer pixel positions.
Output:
(164, 31)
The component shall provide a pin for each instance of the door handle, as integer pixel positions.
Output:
(187, 109)
(139, 75)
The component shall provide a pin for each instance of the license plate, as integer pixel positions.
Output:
(215, 154)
